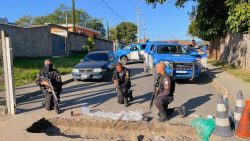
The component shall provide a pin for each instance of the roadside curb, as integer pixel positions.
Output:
(215, 83)
(35, 93)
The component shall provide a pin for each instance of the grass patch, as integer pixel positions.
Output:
(26, 69)
(239, 73)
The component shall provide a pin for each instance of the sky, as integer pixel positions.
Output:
(165, 22)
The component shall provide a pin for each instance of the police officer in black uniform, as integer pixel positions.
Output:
(49, 73)
(165, 88)
(121, 78)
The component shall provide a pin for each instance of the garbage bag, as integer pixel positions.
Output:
(203, 127)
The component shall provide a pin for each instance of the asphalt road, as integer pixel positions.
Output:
(199, 97)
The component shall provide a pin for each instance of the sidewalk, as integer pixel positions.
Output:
(224, 81)
(31, 89)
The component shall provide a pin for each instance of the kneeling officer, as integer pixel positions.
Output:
(164, 89)
(121, 78)
(50, 82)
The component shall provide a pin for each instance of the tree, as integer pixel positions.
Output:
(89, 44)
(97, 25)
(214, 18)
(25, 21)
(73, 15)
(59, 17)
(178, 3)
(113, 34)
(125, 31)
(193, 29)
(209, 22)
(239, 15)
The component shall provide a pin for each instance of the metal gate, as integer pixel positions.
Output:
(58, 45)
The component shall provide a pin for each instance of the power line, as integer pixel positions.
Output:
(113, 10)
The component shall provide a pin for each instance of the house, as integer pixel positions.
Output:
(49, 40)
(79, 29)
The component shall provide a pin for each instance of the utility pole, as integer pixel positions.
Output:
(107, 29)
(73, 16)
(66, 20)
(144, 29)
(66, 35)
(138, 23)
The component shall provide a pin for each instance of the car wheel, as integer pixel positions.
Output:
(124, 60)
(108, 76)
(76, 79)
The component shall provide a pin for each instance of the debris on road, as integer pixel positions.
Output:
(123, 115)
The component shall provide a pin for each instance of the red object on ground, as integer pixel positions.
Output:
(243, 130)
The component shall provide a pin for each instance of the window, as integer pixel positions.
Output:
(170, 49)
(114, 55)
(151, 48)
(134, 48)
(143, 46)
(93, 57)
(111, 56)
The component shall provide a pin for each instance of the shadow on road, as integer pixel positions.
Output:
(92, 100)
(139, 77)
(142, 98)
(135, 71)
(201, 80)
(193, 103)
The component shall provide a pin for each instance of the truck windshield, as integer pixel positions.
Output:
(126, 47)
(96, 57)
(170, 49)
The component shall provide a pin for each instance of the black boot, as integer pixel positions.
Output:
(43, 104)
(180, 111)
(162, 117)
(131, 98)
(125, 102)
(57, 110)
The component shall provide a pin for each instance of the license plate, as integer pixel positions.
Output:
(178, 71)
(84, 76)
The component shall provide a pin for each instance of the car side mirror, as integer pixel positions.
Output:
(81, 60)
(194, 53)
(111, 59)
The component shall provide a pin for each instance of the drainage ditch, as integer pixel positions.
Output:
(99, 129)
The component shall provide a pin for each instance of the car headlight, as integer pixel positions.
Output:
(75, 70)
(97, 70)
(168, 64)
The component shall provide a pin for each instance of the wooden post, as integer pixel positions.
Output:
(11, 85)
(5, 71)
(8, 73)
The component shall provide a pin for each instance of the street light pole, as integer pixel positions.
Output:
(73, 16)
(138, 28)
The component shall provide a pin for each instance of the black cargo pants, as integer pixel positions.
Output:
(122, 93)
(50, 101)
(162, 102)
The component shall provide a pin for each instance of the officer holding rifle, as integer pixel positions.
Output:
(50, 82)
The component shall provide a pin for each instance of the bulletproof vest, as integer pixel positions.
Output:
(121, 75)
(52, 75)
(159, 84)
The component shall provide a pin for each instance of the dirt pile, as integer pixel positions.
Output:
(100, 129)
